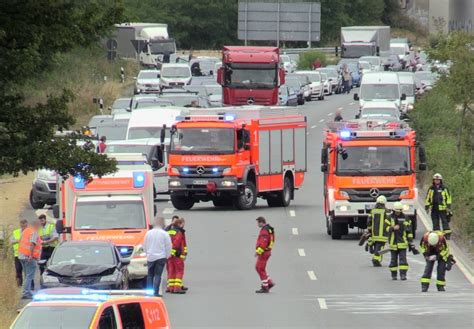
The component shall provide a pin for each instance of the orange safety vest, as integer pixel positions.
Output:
(24, 246)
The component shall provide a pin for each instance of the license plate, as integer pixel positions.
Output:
(200, 182)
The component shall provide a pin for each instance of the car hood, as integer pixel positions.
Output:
(77, 270)
(148, 81)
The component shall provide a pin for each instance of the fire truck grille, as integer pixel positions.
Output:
(81, 281)
(370, 194)
(256, 100)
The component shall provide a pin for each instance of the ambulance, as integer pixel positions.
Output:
(232, 156)
(117, 208)
(362, 160)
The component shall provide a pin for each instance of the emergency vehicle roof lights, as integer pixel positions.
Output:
(345, 134)
(79, 182)
(138, 179)
(91, 297)
(229, 117)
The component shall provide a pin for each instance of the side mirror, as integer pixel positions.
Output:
(134, 78)
(281, 77)
(220, 75)
(422, 166)
(110, 109)
(162, 134)
(324, 158)
(421, 157)
(56, 211)
(125, 262)
(356, 97)
(357, 116)
(155, 210)
(324, 167)
(404, 97)
(377, 50)
(42, 262)
(128, 109)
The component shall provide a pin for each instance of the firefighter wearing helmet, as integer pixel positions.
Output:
(377, 226)
(400, 239)
(435, 248)
(438, 200)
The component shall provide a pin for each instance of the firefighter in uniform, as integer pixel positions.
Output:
(175, 263)
(49, 237)
(438, 199)
(263, 251)
(377, 226)
(434, 247)
(399, 239)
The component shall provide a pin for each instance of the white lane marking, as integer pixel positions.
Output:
(321, 120)
(292, 213)
(301, 252)
(294, 230)
(307, 133)
(329, 114)
(312, 276)
(351, 103)
(312, 127)
(322, 303)
(169, 201)
(168, 210)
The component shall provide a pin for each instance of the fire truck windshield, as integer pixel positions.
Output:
(203, 141)
(251, 76)
(109, 215)
(374, 161)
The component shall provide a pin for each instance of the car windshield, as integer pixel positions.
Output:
(285, 58)
(127, 148)
(357, 51)
(109, 215)
(293, 83)
(96, 120)
(379, 91)
(148, 75)
(55, 317)
(186, 101)
(162, 47)
(83, 254)
(374, 160)
(408, 89)
(144, 132)
(113, 133)
(203, 141)
(152, 102)
(353, 67)
(364, 65)
(379, 112)
(398, 50)
(121, 103)
(245, 76)
(175, 72)
(313, 76)
(371, 60)
(329, 72)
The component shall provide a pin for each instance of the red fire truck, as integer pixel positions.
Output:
(250, 75)
(362, 160)
(234, 157)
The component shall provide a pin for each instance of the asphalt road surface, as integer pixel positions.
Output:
(320, 283)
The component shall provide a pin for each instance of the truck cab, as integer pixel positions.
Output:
(250, 75)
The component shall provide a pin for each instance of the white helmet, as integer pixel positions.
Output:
(381, 199)
(397, 206)
(437, 176)
(433, 239)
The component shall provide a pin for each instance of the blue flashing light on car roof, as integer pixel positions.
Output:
(91, 297)
(149, 292)
(345, 134)
(138, 179)
(79, 182)
(229, 117)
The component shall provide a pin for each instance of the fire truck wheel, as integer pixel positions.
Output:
(181, 202)
(321, 98)
(336, 231)
(328, 226)
(283, 198)
(35, 204)
(247, 200)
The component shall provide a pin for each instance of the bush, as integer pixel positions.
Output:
(306, 59)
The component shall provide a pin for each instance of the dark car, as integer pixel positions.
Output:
(295, 83)
(393, 63)
(91, 264)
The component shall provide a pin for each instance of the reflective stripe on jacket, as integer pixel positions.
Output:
(441, 249)
(47, 233)
(399, 239)
(25, 244)
(445, 195)
(378, 224)
(265, 240)
(178, 243)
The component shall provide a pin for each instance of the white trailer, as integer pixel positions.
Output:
(357, 41)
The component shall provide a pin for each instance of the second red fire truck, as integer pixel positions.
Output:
(234, 157)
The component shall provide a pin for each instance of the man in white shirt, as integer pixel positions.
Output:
(157, 247)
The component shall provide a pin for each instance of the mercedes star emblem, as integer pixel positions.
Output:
(200, 170)
(250, 100)
(374, 192)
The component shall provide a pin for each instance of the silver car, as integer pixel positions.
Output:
(147, 81)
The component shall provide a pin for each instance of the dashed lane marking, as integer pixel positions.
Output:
(301, 252)
(321, 120)
(351, 103)
(329, 114)
(312, 276)
(322, 303)
(292, 213)
(312, 127)
(294, 230)
(168, 210)
(169, 201)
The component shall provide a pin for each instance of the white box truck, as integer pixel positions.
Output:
(357, 41)
(150, 43)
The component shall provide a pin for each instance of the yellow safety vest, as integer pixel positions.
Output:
(46, 233)
(15, 245)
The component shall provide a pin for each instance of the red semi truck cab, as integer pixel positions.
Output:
(250, 75)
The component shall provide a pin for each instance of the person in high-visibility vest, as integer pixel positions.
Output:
(29, 251)
(377, 225)
(263, 251)
(176, 260)
(15, 243)
(49, 237)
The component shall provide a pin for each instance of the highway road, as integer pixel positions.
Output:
(320, 283)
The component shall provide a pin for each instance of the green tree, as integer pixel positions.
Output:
(31, 33)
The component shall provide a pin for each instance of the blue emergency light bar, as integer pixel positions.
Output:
(79, 182)
(139, 179)
(89, 295)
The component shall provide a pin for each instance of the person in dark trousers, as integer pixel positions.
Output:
(49, 237)
(15, 243)
(338, 116)
(434, 247)
(29, 252)
(157, 247)
(438, 200)
(263, 251)
(377, 226)
(101, 147)
(399, 239)
(346, 79)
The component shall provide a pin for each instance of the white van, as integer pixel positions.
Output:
(175, 75)
(148, 122)
(407, 87)
(381, 87)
